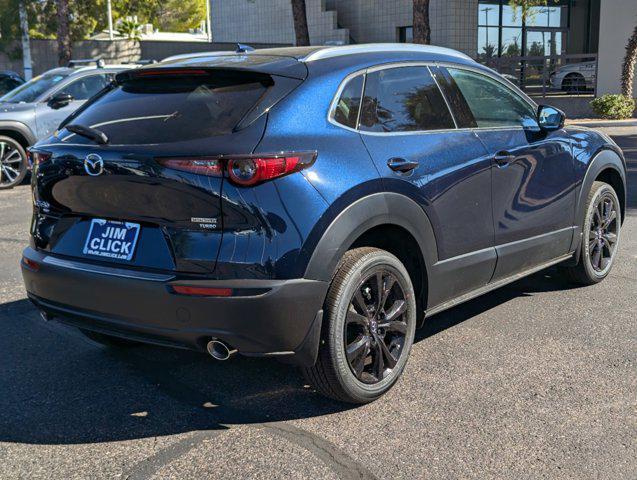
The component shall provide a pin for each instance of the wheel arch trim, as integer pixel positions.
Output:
(18, 127)
(606, 159)
(383, 208)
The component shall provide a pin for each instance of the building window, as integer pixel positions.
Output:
(503, 33)
(406, 34)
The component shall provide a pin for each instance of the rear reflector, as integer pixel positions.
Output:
(202, 291)
(31, 264)
(243, 170)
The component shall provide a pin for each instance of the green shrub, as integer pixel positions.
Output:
(613, 107)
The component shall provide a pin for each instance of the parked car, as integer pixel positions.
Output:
(311, 204)
(9, 80)
(34, 110)
(574, 77)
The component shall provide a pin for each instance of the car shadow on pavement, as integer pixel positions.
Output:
(58, 387)
(548, 280)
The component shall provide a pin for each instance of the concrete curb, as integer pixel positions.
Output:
(599, 123)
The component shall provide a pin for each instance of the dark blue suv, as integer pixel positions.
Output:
(310, 204)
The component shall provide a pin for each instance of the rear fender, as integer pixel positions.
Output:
(384, 208)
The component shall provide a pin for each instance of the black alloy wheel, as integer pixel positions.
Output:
(601, 229)
(375, 329)
(368, 329)
(604, 232)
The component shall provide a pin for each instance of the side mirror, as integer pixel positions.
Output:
(550, 118)
(60, 100)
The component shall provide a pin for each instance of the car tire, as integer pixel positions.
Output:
(600, 236)
(574, 83)
(13, 163)
(368, 329)
(108, 340)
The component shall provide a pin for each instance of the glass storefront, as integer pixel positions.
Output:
(502, 30)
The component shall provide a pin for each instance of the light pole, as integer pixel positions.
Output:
(110, 19)
(208, 21)
(486, 11)
(26, 44)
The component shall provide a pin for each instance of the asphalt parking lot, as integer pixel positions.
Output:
(536, 380)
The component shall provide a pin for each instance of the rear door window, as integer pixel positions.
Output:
(348, 104)
(85, 87)
(459, 106)
(403, 99)
(172, 108)
(492, 103)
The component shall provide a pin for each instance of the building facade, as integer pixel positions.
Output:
(477, 27)
(344, 21)
(488, 30)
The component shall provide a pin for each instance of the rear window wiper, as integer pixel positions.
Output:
(91, 133)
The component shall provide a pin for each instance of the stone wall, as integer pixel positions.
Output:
(44, 53)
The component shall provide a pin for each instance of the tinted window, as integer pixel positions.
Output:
(457, 103)
(85, 87)
(403, 99)
(176, 108)
(30, 91)
(346, 112)
(7, 84)
(492, 103)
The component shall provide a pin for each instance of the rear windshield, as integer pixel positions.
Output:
(166, 109)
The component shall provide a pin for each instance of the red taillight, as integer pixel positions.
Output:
(202, 291)
(31, 264)
(38, 158)
(244, 170)
(248, 171)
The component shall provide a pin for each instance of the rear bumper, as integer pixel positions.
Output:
(262, 318)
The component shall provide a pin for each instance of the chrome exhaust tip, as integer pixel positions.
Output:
(220, 350)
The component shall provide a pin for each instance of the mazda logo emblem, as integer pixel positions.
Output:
(93, 164)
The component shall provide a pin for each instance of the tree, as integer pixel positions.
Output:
(526, 7)
(130, 29)
(300, 22)
(489, 51)
(422, 30)
(628, 67)
(63, 32)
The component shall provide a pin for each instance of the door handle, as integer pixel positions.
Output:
(401, 165)
(503, 158)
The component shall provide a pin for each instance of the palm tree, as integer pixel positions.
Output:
(130, 29)
(300, 23)
(422, 31)
(628, 68)
(63, 33)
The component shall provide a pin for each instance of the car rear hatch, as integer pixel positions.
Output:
(92, 200)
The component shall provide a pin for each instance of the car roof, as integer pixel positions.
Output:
(293, 61)
(68, 71)
(312, 54)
